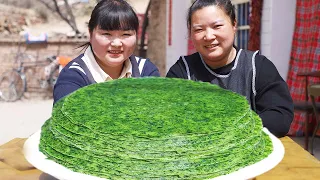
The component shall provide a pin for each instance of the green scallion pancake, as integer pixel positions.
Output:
(146, 128)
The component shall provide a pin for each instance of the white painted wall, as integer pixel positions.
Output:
(278, 21)
(179, 31)
(266, 28)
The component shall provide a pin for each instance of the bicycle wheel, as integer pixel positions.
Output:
(12, 85)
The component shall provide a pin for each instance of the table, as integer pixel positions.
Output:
(297, 164)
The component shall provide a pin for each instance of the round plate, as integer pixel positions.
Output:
(40, 161)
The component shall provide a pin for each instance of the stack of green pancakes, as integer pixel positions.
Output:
(154, 128)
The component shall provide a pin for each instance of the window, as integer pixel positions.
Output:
(242, 14)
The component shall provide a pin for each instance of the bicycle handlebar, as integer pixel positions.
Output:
(51, 58)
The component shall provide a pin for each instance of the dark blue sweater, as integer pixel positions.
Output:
(76, 75)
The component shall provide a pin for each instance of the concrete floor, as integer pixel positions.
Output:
(22, 118)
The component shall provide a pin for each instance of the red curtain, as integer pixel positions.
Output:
(255, 25)
(305, 55)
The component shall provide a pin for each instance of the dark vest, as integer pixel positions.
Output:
(241, 79)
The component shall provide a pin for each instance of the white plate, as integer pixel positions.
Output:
(260, 167)
(39, 160)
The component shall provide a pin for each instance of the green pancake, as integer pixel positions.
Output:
(154, 128)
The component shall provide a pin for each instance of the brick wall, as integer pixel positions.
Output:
(10, 46)
(60, 47)
(57, 46)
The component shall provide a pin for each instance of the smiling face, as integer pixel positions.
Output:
(212, 34)
(112, 48)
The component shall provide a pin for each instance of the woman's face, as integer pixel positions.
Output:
(112, 48)
(212, 34)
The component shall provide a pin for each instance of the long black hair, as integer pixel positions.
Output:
(112, 15)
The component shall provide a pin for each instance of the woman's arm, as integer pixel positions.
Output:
(273, 100)
(178, 70)
(69, 80)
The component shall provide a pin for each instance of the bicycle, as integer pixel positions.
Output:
(13, 83)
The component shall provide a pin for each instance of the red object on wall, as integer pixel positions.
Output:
(255, 25)
(140, 18)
